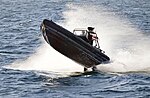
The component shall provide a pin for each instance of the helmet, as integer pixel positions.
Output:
(90, 28)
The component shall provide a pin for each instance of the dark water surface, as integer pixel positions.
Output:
(20, 36)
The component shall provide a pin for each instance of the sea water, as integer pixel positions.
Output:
(31, 68)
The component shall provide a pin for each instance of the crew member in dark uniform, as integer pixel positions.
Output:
(90, 36)
(90, 39)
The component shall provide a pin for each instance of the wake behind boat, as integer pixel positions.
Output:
(76, 45)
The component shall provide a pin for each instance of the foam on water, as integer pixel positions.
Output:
(127, 47)
(47, 59)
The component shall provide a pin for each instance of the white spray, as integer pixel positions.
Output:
(126, 46)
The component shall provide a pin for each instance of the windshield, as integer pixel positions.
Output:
(80, 32)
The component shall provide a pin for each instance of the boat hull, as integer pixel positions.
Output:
(72, 46)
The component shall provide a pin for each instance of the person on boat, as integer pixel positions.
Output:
(90, 35)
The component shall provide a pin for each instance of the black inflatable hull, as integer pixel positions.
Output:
(72, 46)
